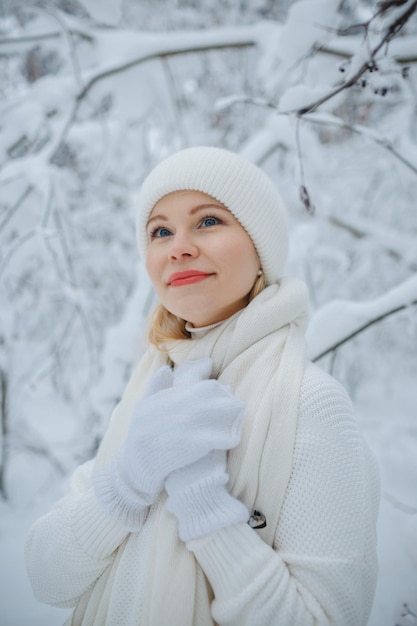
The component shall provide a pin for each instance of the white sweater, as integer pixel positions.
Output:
(322, 570)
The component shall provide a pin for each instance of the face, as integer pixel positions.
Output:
(200, 260)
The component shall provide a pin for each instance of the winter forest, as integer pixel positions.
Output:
(322, 94)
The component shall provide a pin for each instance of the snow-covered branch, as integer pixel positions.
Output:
(327, 119)
(14, 248)
(403, 50)
(340, 320)
(15, 207)
(92, 95)
(4, 418)
(271, 143)
(39, 37)
(145, 47)
(364, 60)
(84, 109)
(400, 246)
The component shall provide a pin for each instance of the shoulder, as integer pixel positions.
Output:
(327, 421)
(328, 432)
(323, 401)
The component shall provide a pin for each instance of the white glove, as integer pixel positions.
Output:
(199, 499)
(169, 429)
(115, 495)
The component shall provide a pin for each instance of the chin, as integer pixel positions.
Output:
(197, 320)
(200, 316)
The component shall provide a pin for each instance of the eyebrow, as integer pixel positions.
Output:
(194, 210)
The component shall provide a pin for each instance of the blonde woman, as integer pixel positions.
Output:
(232, 486)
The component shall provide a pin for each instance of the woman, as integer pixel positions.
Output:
(232, 486)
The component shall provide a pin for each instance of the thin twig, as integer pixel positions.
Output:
(71, 44)
(304, 194)
(4, 41)
(362, 328)
(13, 209)
(390, 33)
(12, 251)
(73, 284)
(364, 132)
(129, 65)
(360, 234)
(405, 508)
(175, 99)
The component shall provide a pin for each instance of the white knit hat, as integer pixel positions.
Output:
(240, 185)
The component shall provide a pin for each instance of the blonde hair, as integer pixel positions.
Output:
(165, 326)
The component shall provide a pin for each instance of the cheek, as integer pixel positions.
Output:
(242, 254)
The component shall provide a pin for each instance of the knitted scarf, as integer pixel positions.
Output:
(260, 353)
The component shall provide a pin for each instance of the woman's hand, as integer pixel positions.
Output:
(183, 417)
(199, 499)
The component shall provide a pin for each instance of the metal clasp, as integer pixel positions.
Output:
(257, 519)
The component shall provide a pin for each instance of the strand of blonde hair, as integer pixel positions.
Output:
(165, 326)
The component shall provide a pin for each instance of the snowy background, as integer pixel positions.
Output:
(93, 93)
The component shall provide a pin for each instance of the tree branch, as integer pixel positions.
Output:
(342, 49)
(361, 231)
(340, 320)
(392, 30)
(13, 249)
(68, 35)
(325, 119)
(4, 41)
(3, 432)
(13, 209)
(194, 44)
(398, 504)
(361, 328)
(188, 48)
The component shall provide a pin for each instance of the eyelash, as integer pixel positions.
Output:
(154, 231)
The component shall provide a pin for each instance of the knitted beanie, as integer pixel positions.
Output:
(238, 184)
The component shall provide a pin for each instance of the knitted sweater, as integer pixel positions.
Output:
(321, 571)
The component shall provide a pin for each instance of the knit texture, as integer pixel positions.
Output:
(321, 570)
(169, 429)
(238, 184)
(326, 535)
(242, 350)
(198, 497)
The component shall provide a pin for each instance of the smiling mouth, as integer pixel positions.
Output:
(187, 278)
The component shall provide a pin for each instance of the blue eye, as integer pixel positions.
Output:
(209, 221)
(160, 232)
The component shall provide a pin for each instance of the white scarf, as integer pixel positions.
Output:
(260, 353)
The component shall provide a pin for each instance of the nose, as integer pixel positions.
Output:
(182, 246)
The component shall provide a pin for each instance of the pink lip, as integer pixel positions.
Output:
(186, 278)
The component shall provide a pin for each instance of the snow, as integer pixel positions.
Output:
(105, 12)
(296, 97)
(75, 290)
(117, 48)
(389, 425)
(403, 48)
(54, 91)
(307, 24)
(24, 123)
(277, 130)
(340, 318)
(18, 606)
